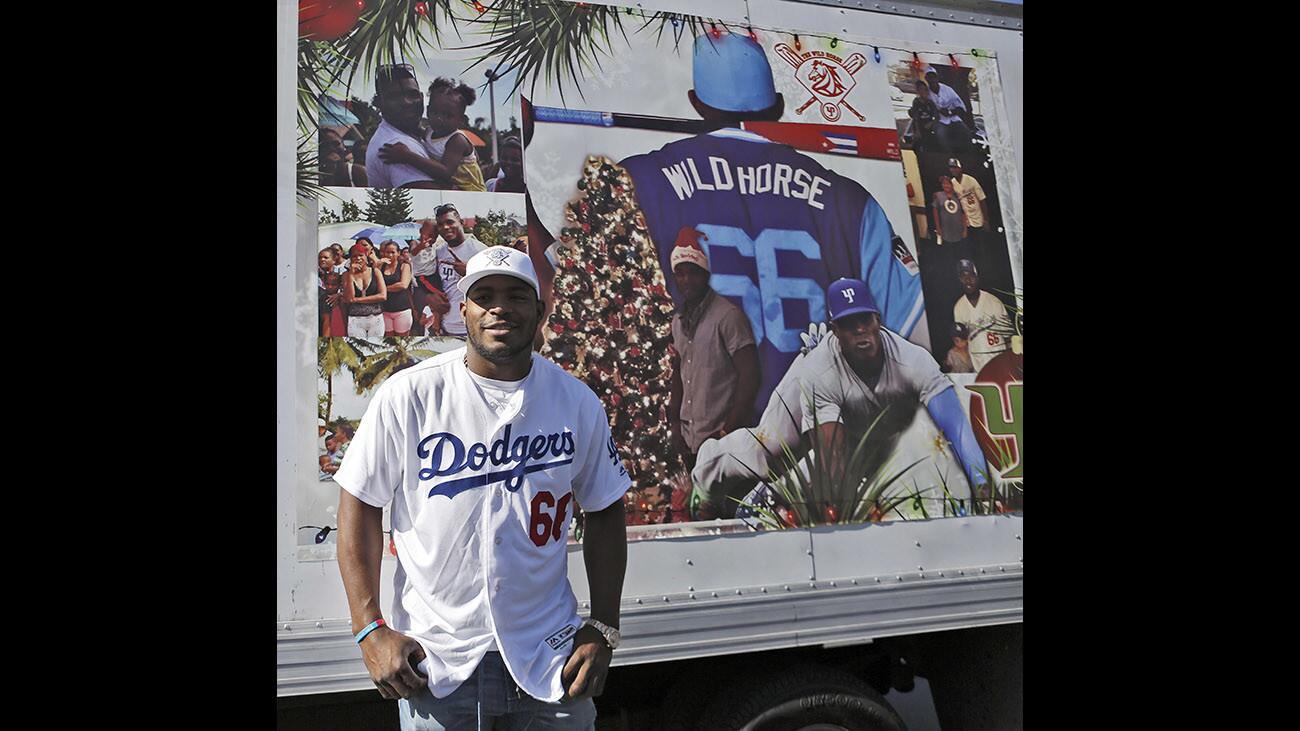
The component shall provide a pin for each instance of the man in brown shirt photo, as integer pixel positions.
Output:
(715, 377)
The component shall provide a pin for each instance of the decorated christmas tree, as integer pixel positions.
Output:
(611, 328)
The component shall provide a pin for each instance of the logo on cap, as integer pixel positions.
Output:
(849, 297)
(498, 256)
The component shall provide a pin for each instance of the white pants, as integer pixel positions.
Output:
(370, 327)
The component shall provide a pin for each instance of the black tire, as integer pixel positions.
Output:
(691, 692)
(798, 697)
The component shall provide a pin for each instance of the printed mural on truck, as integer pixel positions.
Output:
(693, 193)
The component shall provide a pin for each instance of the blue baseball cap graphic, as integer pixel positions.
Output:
(849, 297)
(732, 73)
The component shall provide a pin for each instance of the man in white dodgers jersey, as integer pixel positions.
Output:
(985, 317)
(484, 452)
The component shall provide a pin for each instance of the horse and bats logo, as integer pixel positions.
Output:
(828, 78)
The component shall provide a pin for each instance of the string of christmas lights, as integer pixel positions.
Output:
(714, 26)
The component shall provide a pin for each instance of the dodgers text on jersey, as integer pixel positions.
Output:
(447, 455)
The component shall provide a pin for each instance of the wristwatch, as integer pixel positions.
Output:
(612, 636)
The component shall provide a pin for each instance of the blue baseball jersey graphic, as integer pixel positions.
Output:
(780, 228)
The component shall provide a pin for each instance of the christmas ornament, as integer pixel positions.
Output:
(327, 20)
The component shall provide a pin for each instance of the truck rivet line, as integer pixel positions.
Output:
(811, 585)
(855, 582)
(877, 579)
(738, 592)
(692, 596)
(319, 625)
(922, 575)
(638, 601)
(1017, 536)
(714, 594)
(690, 588)
(832, 583)
(665, 598)
(809, 552)
(1002, 569)
(810, 578)
(918, 544)
(787, 587)
(286, 627)
(920, 568)
(961, 572)
(765, 590)
(690, 562)
(981, 571)
(941, 573)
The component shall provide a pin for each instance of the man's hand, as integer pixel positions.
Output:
(459, 266)
(584, 674)
(438, 302)
(395, 152)
(391, 658)
(432, 324)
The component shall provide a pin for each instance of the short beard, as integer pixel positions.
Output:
(498, 357)
(503, 357)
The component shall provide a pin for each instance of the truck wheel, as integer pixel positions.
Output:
(801, 698)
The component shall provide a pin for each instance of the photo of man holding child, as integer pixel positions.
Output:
(426, 128)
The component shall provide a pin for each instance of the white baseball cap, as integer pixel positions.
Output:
(499, 260)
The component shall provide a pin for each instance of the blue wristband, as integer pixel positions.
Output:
(368, 629)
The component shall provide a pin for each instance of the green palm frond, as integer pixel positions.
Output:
(334, 355)
(309, 176)
(387, 358)
(391, 32)
(678, 25)
(548, 40)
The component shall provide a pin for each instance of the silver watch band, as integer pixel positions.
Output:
(609, 633)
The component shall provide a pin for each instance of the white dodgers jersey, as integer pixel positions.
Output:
(983, 320)
(481, 503)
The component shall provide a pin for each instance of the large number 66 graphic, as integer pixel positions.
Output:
(541, 526)
(762, 304)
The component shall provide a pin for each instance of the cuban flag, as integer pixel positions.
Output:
(842, 144)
